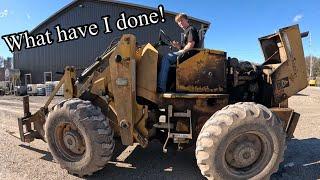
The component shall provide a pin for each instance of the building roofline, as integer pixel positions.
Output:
(151, 8)
(70, 5)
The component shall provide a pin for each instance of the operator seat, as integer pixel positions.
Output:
(171, 82)
(192, 52)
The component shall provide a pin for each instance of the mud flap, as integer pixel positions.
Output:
(292, 124)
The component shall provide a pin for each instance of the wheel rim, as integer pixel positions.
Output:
(69, 142)
(248, 153)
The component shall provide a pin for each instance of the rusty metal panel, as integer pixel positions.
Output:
(204, 72)
(284, 53)
(293, 78)
(147, 72)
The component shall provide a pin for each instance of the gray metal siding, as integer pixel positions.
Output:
(82, 52)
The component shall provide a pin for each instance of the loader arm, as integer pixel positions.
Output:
(122, 70)
(31, 125)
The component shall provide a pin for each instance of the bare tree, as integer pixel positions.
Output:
(315, 65)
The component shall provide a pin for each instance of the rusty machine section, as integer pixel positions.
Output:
(284, 70)
(117, 93)
(123, 81)
(282, 75)
(284, 65)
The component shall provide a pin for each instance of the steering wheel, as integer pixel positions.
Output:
(167, 38)
(164, 39)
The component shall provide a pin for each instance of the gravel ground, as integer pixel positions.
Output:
(33, 161)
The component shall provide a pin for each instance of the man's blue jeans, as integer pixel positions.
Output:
(169, 59)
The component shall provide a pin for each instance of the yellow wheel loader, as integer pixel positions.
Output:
(235, 114)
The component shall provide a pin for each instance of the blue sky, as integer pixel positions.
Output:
(235, 25)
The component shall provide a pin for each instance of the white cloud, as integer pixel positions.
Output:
(4, 13)
(28, 16)
(297, 18)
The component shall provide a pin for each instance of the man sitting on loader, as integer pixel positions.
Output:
(190, 40)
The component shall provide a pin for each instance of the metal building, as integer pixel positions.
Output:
(2, 74)
(44, 62)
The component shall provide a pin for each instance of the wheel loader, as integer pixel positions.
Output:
(234, 113)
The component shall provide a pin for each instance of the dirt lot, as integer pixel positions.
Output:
(33, 161)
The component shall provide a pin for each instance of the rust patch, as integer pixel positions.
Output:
(204, 72)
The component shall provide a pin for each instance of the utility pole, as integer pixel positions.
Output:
(311, 60)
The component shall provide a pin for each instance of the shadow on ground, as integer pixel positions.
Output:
(46, 155)
(152, 163)
(301, 161)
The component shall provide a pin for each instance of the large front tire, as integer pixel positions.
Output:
(241, 141)
(79, 137)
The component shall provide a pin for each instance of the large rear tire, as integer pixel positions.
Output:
(241, 141)
(79, 137)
